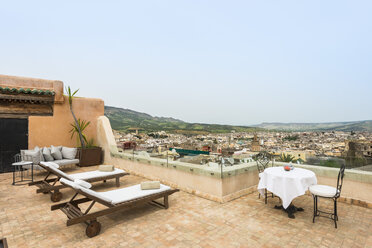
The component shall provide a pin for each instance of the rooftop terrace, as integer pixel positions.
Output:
(190, 221)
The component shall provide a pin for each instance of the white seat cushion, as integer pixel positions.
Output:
(95, 174)
(66, 161)
(48, 164)
(95, 194)
(131, 193)
(323, 190)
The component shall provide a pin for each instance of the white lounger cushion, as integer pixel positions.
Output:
(87, 191)
(322, 190)
(48, 164)
(118, 195)
(95, 174)
(70, 183)
(54, 167)
(130, 193)
(66, 161)
(83, 175)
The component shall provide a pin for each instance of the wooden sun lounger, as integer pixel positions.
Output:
(51, 186)
(75, 215)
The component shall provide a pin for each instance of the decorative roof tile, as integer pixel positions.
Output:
(27, 91)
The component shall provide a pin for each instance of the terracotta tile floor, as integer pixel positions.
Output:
(26, 221)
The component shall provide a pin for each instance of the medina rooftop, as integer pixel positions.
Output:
(65, 183)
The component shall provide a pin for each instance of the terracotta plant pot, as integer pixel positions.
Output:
(90, 156)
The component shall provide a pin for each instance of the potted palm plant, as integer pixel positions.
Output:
(88, 153)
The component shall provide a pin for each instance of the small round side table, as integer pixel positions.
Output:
(18, 169)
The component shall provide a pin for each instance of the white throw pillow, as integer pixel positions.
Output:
(83, 183)
(106, 168)
(69, 153)
(31, 155)
(47, 155)
(56, 153)
(150, 185)
(41, 153)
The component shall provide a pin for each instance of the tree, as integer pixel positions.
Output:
(291, 137)
(286, 158)
(77, 124)
(75, 130)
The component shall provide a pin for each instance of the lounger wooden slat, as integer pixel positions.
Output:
(75, 215)
(76, 202)
(49, 185)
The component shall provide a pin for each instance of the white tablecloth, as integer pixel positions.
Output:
(286, 184)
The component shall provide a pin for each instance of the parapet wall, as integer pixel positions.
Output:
(217, 185)
(208, 183)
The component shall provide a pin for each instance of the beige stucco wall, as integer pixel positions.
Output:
(54, 130)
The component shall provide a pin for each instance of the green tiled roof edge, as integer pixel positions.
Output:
(27, 91)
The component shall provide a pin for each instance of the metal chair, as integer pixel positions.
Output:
(263, 160)
(329, 192)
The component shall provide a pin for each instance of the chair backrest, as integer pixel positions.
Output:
(17, 157)
(263, 160)
(340, 179)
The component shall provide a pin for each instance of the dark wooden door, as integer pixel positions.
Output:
(13, 138)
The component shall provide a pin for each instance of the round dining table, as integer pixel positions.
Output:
(287, 185)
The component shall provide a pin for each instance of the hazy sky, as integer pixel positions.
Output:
(233, 62)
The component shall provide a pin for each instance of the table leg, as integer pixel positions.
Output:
(13, 174)
(290, 210)
(32, 172)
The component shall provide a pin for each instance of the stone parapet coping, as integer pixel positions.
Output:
(350, 174)
(190, 168)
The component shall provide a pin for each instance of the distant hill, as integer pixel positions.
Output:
(363, 126)
(124, 119)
